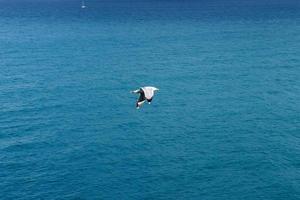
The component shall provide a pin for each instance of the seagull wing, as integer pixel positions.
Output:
(141, 99)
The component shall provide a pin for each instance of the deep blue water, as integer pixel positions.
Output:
(224, 125)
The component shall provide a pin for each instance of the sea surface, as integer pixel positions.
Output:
(225, 124)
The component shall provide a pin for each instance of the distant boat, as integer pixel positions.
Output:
(82, 4)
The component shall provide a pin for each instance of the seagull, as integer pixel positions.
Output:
(146, 93)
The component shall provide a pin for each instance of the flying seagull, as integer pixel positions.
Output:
(146, 93)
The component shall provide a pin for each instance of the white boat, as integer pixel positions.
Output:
(82, 4)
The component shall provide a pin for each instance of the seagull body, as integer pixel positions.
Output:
(146, 94)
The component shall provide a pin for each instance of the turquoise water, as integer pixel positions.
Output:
(224, 125)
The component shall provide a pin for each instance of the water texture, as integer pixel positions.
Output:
(224, 125)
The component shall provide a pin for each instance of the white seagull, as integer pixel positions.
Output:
(146, 93)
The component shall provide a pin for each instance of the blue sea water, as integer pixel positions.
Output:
(224, 125)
